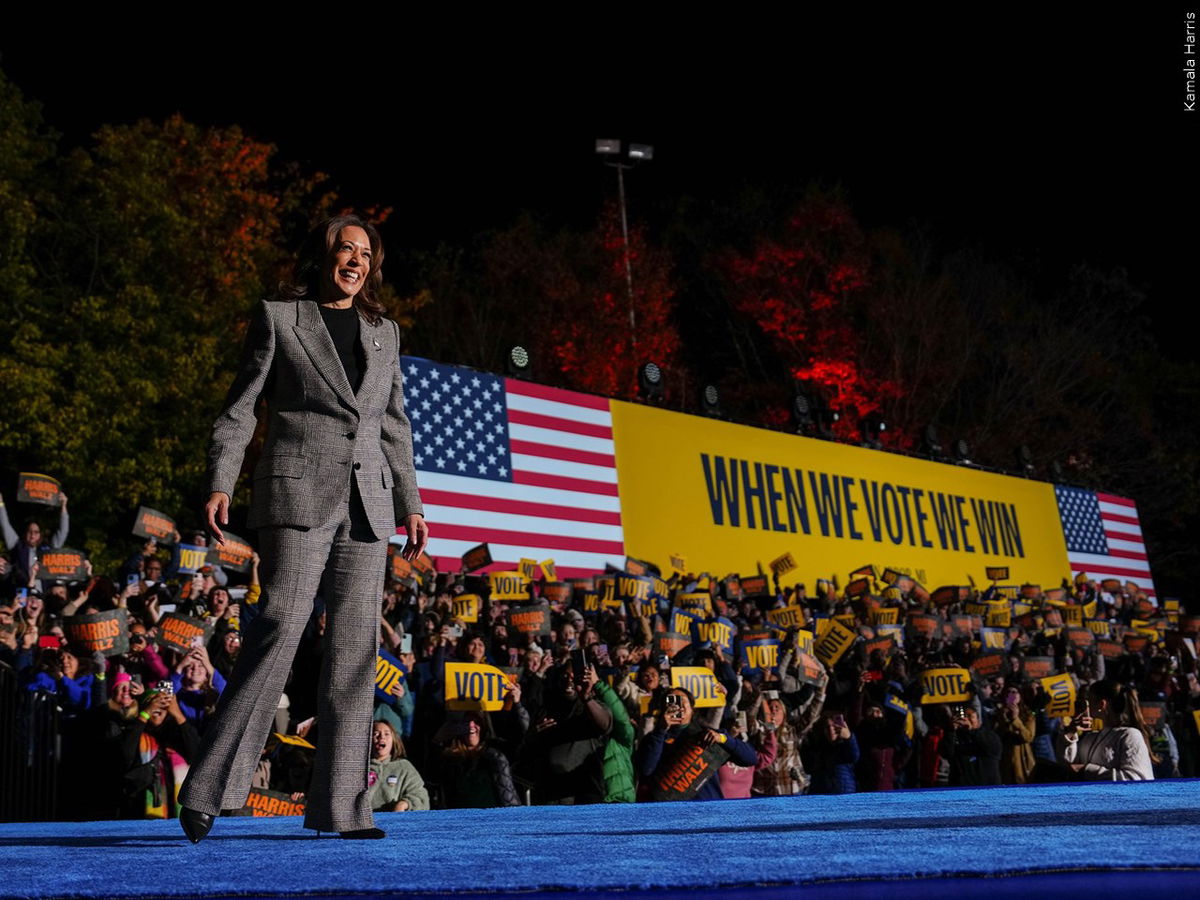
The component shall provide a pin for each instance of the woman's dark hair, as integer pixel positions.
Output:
(313, 257)
(1125, 710)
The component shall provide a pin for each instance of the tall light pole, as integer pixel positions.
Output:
(637, 153)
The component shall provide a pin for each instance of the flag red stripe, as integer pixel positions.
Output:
(1125, 520)
(558, 395)
(1120, 501)
(587, 429)
(519, 507)
(567, 454)
(1126, 554)
(563, 483)
(454, 564)
(526, 539)
(1097, 573)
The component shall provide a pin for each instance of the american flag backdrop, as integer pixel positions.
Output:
(1104, 536)
(528, 469)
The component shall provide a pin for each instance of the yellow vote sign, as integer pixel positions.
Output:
(475, 686)
(787, 616)
(951, 684)
(1061, 690)
(701, 683)
(701, 600)
(731, 494)
(508, 586)
(834, 643)
(884, 615)
(465, 607)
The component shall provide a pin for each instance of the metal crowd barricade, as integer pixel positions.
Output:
(30, 750)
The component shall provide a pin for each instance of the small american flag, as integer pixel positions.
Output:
(1104, 536)
(529, 469)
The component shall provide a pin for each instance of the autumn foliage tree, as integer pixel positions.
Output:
(803, 288)
(562, 294)
(148, 249)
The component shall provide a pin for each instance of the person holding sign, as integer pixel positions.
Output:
(679, 759)
(335, 478)
(25, 548)
(1120, 750)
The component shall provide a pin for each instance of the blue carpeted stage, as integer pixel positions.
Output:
(1099, 839)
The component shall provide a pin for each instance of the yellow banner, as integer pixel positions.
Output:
(1061, 689)
(702, 684)
(729, 495)
(948, 685)
(475, 686)
(528, 568)
(549, 570)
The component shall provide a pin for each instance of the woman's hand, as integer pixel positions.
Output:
(418, 536)
(216, 508)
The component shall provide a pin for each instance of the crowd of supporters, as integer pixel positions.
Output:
(592, 712)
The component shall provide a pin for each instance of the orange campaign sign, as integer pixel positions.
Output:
(33, 487)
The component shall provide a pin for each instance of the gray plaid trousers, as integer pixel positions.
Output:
(352, 562)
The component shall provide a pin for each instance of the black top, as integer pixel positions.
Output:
(342, 325)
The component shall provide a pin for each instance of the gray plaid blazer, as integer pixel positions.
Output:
(319, 432)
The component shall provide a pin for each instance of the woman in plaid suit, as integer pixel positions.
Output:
(335, 478)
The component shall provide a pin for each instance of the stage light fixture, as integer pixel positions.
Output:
(710, 401)
(642, 152)
(870, 429)
(1025, 460)
(826, 419)
(518, 362)
(650, 381)
(931, 446)
(608, 148)
(802, 411)
(962, 452)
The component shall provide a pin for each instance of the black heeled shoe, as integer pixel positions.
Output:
(195, 824)
(362, 834)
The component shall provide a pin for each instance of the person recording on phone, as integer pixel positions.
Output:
(973, 749)
(674, 731)
(335, 479)
(1120, 749)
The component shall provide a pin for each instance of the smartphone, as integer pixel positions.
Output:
(671, 706)
(456, 631)
(578, 663)
(132, 579)
(22, 597)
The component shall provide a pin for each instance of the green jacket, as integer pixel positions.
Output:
(619, 784)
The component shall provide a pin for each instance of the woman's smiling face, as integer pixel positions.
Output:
(348, 265)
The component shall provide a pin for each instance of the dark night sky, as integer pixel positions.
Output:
(1049, 141)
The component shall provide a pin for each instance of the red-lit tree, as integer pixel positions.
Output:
(588, 332)
(803, 290)
(563, 294)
